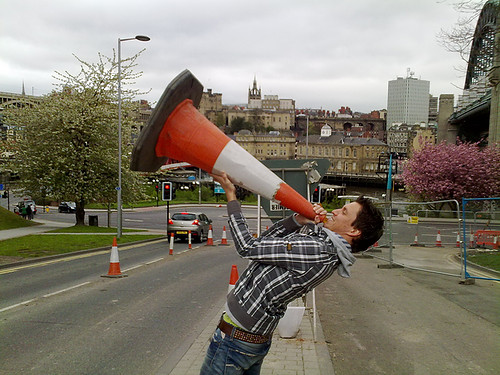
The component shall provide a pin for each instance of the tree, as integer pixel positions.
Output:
(447, 171)
(68, 148)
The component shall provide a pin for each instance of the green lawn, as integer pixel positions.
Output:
(490, 259)
(39, 245)
(9, 220)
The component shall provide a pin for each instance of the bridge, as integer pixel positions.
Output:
(477, 114)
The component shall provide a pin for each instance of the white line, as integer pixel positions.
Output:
(65, 290)
(17, 304)
(154, 261)
(133, 268)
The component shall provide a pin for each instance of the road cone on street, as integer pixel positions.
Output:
(233, 278)
(171, 252)
(223, 241)
(438, 239)
(114, 262)
(458, 239)
(210, 239)
(189, 240)
(415, 241)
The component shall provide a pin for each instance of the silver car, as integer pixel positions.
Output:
(182, 222)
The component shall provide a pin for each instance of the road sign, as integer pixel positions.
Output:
(218, 189)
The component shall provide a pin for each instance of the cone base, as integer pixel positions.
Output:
(184, 86)
(115, 276)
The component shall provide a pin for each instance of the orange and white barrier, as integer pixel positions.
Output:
(178, 131)
(114, 262)
(223, 241)
(233, 278)
(210, 239)
(171, 251)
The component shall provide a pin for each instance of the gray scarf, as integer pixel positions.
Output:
(343, 252)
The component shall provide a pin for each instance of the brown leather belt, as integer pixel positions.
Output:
(239, 334)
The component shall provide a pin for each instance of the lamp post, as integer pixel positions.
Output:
(141, 38)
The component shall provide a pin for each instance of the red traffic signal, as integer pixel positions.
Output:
(167, 191)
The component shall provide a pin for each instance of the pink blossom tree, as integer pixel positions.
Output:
(447, 171)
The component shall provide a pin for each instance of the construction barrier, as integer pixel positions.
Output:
(487, 238)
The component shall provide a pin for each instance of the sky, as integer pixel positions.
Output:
(321, 53)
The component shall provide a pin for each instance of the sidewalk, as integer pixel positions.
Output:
(298, 356)
(45, 226)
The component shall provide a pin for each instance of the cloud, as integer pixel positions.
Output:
(322, 53)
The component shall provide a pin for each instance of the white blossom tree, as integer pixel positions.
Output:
(68, 149)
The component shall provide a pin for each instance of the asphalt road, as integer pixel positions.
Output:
(131, 325)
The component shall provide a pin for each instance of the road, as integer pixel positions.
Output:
(60, 316)
(86, 324)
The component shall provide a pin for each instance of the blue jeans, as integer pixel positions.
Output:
(229, 356)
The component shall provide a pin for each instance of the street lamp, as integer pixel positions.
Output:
(141, 38)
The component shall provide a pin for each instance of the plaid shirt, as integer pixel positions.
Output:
(285, 264)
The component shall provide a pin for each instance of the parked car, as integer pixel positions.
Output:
(183, 222)
(68, 207)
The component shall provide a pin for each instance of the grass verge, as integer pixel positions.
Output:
(9, 220)
(490, 259)
(67, 240)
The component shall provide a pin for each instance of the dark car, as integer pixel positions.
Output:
(182, 222)
(68, 207)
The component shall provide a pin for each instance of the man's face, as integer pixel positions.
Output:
(342, 219)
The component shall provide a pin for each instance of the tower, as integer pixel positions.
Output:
(408, 101)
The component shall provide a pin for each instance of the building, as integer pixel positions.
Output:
(273, 145)
(211, 107)
(270, 112)
(445, 131)
(347, 155)
(407, 101)
(403, 139)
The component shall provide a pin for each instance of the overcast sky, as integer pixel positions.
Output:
(321, 53)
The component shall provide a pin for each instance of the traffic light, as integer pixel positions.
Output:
(167, 191)
(316, 196)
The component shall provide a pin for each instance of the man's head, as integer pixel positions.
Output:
(359, 222)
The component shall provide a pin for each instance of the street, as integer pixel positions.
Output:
(131, 325)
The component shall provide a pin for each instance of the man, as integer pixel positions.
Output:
(288, 260)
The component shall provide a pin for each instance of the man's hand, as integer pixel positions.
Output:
(226, 184)
(320, 216)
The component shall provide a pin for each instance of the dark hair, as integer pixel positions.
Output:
(371, 224)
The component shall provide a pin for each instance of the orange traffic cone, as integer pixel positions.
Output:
(171, 252)
(415, 241)
(114, 262)
(438, 239)
(177, 130)
(210, 239)
(458, 239)
(189, 240)
(233, 278)
(224, 238)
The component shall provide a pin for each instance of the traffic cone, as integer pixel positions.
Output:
(171, 252)
(438, 239)
(415, 241)
(114, 262)
(233, 278)
(189, 240)
(458, 239)
(210, 239)
(178, 131)
(224, 238)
